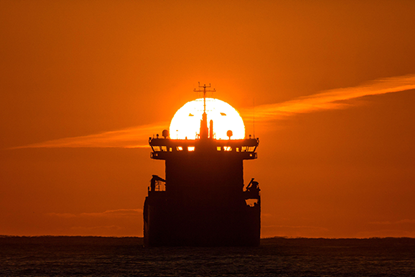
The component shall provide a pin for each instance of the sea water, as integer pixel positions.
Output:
(104, 256)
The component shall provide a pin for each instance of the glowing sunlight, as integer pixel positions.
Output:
(186, 121)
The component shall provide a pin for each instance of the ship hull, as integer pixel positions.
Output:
(167, 223)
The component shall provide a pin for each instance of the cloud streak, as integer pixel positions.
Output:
(135, 137)
(332, 99)
(403, 221)
(105, 214)
(127, 138)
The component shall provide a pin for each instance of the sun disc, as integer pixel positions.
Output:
(186, 121)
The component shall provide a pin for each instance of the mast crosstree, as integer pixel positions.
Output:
(205, 89)
(204, 131)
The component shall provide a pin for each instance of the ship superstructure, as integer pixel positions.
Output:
(202, 201)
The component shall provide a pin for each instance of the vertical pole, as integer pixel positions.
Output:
(204, 98)
(253, 117)
(204, 130)
(204, 124)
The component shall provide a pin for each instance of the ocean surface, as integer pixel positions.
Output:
(104, 256)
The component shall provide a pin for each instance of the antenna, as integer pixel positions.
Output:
(205, 89)
(253, 116)
(203, 123)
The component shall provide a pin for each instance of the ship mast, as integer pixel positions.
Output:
(204, 131)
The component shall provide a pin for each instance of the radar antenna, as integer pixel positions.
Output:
(204, 123)
(205, 89)
(253, 116)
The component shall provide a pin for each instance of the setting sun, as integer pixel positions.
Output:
(186, 121)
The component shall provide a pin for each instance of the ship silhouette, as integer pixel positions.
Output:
(203, 200)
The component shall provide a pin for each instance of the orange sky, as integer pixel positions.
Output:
(82, 82)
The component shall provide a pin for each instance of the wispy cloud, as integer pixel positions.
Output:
(402, 221)
(120, 222)
(106, 214)
(86, 229)
(303, 227)
(127, 138)
(332, 99)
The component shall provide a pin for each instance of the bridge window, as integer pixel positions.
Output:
(227, 148)
(179, 148)
(156, 148)
(248, 149)
(190, 148)
(164, 148)
(219, 148)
